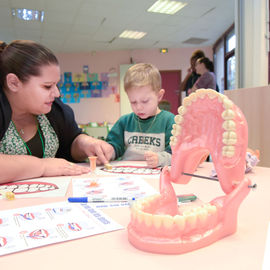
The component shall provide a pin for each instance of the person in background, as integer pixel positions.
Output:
(145, 133)
(38, 133)
(192, 75)
(204, 66)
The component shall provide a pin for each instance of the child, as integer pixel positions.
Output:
(145, 133)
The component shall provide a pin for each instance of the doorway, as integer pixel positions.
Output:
(170, 82)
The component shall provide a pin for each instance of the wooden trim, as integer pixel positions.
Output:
(226, 55)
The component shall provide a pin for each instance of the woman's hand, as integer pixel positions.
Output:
(85, 146)
(59, 166)
(101, 149)
(151, 159)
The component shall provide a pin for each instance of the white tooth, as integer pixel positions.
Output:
(180, 221)
(134, 207)
(173, 139)
(212, 93)
(202, 215)
(228, 151)
(176, 130)
(227, 104)
(229, 135)
(229, 141)
(228, 148)
(153, 197)
(201, 93)
(167, 221)
(220, 98)
(211, 209)
(229, 125)
(182, 110)
(193, 97)
(138, 205)
(178, 127)
(187, 101)
(195, 209)
(191, 219)
(228, 114)
(178, 119)
(141, 202)
(145, 203)
(139, 215)
(172, 144)
(133, 213)
(157, 220)
(148, 219)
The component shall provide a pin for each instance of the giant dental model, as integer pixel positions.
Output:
(207, 122)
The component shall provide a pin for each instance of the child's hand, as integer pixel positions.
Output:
(151, 159)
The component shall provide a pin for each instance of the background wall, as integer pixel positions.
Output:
(255, 103)
(108, 109)
(252, 46)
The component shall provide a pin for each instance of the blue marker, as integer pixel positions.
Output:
(99, 200)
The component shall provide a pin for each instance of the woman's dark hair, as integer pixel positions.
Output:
(24, 58)
(197, 54)
(207, 62)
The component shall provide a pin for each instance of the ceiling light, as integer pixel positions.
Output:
(28, 14)
(166, 6)
(132, 34)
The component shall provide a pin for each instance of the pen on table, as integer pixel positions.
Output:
(99, 200)
(213, 178)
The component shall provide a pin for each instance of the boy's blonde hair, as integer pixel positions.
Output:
(142, 74)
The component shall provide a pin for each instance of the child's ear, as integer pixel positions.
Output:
(161, 93)
(13, 82)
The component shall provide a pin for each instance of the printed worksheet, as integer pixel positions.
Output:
(38, 187)
(124, 168)
(105, 188)
(36, 226)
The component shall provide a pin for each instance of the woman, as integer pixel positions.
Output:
(38, 133)
(205, 68)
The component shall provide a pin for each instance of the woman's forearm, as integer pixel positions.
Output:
(18, 167)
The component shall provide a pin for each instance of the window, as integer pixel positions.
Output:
(224, 60)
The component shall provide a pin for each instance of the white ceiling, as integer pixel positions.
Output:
(94, 25)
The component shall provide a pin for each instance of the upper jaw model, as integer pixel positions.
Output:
(208, 122)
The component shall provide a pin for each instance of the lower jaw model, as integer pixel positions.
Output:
(208, 122)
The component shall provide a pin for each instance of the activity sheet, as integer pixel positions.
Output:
(38, 187)
(31, 227)
(123, 168)
(104, 188)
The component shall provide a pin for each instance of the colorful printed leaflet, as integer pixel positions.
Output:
(41, 225)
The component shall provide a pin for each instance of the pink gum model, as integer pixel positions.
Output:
(208, 122)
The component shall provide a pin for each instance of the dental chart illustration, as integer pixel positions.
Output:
(128, 169)
(104, 188)
(208, 122)
(45, 187)
(31, 227)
